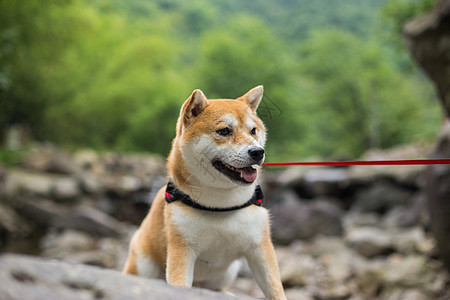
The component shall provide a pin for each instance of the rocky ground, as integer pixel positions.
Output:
(340, 233)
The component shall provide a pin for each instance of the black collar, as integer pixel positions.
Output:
(174, 194)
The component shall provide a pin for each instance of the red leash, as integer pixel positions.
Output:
(404, 162)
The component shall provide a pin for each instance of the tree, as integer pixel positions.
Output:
(356, 104)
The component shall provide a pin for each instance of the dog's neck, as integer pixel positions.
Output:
(173, 194)
(213, 196)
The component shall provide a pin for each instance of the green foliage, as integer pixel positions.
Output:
(393, 16)
(361, 101)
(113, 73)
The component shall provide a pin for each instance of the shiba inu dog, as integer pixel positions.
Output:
(209, 216)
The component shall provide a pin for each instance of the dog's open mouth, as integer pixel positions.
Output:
(244, 175)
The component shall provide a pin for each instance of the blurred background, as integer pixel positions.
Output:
(89, 96)
(112, 74)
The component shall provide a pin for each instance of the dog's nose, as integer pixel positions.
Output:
(256, 153)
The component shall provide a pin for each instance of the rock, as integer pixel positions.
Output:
(404, 175)
(339, 261)
(49, 159)
(298, 293)
(90, 220)
(369, 241)
(413, 272)
(298, 271)
(409, 215)
(60, 187)
(380, 197)
(41, 212)
(412, 241)
(90, 184)
(79, 247)
(320, 182)
(59, 245)
(246, 286)
(37, 279)
(65, 189)
(357, 219)
(426, 38)
(438, 193)
(11, 224)
(128, 171)
(303, 220)
(368, 278)
(401, 294)
(86, 159)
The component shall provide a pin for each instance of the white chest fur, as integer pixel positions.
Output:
(219, 238)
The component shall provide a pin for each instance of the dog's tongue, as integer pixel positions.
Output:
(249, 174)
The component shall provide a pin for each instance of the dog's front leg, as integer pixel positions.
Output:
(263, 263)
(180, 262)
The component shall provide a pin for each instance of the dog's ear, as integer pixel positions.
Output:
(253, 97)
(191, 108)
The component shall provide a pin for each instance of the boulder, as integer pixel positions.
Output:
(369, 241)
(59, 187)
(12, 224)
(413, 214)
(298, 271)
(298, 293)
(381, 197)
(294, 219)
(90, 220)
(40, 211)
(427, 39)
(413, 272)
(48, 158)
(412, 241)
(32, 278)
(80, 247)
(320, 182)
(405, 175)
(402, 294)
(339, 261)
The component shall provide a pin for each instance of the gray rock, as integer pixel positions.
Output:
(37, 279)
(61, 245)
(382, 196)
(413, 272)
(80, 247)
(409, 215)
(60, 187)
(90, 184)
(90, 220)
(298, 271)
(86, 158)
(41, 212)
(325, 181)
(357, 219)
(304, 220)
(339, 260)
(412, 241)
(427, 39)
(369, 241)
(404, 175)
(11, 224)
(298, 293)
(50, 159)
(402, 294)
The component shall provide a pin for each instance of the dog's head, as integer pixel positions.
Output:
(221, 140)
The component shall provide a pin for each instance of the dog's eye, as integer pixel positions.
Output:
(253, 131)
(224, 131)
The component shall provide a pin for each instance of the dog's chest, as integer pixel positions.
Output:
(221, 236)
